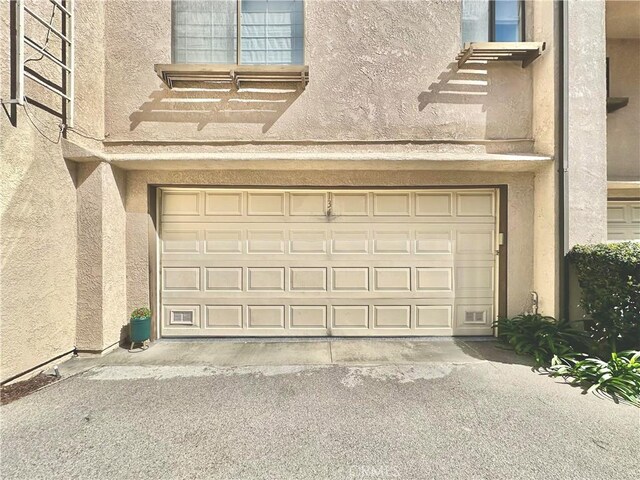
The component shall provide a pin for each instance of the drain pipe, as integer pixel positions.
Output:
(562, 155)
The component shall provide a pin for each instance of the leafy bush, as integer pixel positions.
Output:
(142, 312)
(539, 336)
(619, 377)
(609, 275)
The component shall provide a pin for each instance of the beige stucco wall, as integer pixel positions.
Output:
(383, 83)
(623, 147)
(378, 70)
(38, 239)
(101, 256)
(587, 139)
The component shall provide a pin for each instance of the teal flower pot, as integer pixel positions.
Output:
(140, 329)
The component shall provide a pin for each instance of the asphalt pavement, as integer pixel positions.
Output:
(483, 415)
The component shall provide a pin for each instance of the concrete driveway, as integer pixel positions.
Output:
(341, 409)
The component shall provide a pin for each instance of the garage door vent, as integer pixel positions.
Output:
(181, 318)
(475, 317)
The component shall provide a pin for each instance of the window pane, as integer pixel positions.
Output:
(272, 32)
(204, 31)
(507, 21)
(475, 21)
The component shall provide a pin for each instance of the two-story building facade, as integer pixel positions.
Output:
(291, 168)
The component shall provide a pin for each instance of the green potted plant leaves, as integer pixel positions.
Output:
(140, 327)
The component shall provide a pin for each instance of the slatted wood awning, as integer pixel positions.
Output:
(525, 52)
(185, 75)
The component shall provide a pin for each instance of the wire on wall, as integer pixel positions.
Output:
(46, 39)
(38, 129)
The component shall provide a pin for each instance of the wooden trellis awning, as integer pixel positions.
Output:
(188, 75)
(525, 52)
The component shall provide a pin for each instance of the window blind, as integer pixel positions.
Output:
(204, 31)
(272, 32)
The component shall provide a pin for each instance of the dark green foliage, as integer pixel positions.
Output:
(539, 336)
(609, 275)
(619, 377)
(142, 312)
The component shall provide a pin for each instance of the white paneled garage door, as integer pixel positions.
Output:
(623, 220)
(327, 262)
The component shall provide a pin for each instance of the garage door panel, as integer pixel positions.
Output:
(350, 316)
(327, 262)
(392, 204)
(392, 316)
(352, 279)
(434, 279)
(434, 241)
(433, 316)
(223, 241)
(270, 204)
(475, 204)
(308, 279)
(395, 279)
(430, 204)
(181, 203)
(181, 241)
(392, 242)
(265, 278)
(350, 204)
(224, 203)
(350, 242)
(623, 220)
(222, 279)
(266, 316)
(308, 316)
(224, 316)
(181, 278)
(474, 317)
(307, 241)
(308, 204)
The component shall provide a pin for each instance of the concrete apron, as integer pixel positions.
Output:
(299, 353)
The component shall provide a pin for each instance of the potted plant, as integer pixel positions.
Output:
(140, 327)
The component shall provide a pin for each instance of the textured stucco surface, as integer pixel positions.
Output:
(623, 146)
(520, 212)
(38, 239)
(378, 70)
(101, 256)
(545, 78)
(76, 240)
(587, 137)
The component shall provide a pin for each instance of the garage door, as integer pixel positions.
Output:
(327, 262)
(623, 220)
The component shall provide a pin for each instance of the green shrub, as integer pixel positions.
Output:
(539, 336)
(619, 377)
(142, 312)
(609, 276)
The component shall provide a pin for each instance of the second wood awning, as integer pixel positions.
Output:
(525, 52)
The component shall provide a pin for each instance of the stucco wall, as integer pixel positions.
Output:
(38, 230)
(101, 256)
(623, 147)
(587, 136)
(520, 212)
(378, 70)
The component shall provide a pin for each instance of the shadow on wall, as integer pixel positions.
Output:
(262, 104)
(503, 92)
(466, 86)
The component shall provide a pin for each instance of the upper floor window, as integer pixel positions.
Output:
(206, 31)
(492, 20)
